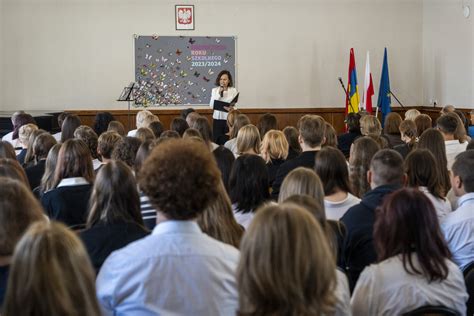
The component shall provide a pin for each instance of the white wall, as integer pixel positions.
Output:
(447, 53)
(290, 53)
(1, 54)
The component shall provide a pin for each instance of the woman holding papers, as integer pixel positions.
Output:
(223, 93)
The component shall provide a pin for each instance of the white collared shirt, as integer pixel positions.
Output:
(335, 210)
(453, 148)
(442, 207)
(177, 270)
(458, 230)
(68, 182)
(229, 95)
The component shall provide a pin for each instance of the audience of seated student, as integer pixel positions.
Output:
(448, 126)
(414, 267)
(147, 276)
(331, 167)
(204, 127)
(73, 178)
(18, 209)
(330, 136)
(409, 137)
(412, 114)
(370, 126)
(240, 121)
(116, 126)
(192, 132)
(126, 150)
(274, 150)
(61, 118)
(106, 144)
(50, 275)
(362, 151)
(7, 150)
(291, 135)
(287, 268)
(248, 185)
(433, 140)
(30, 157)
(144, 133)
(267, 122)
(114, 218)
(179, 125)
(19, 119)
(23, 135)
(101, 122)
(344, 141)
(47, 181)
(391, 129)
(191, 118)
(303, 181)
(458, 226)
(311, 136)
(142, 119)
(41, 147)
(248, 140)
(10, 168)
(423, 122)
(218, 220)
(71, 122)
(422, 168)
(89, 137)
(157, 128)
(225, 160)
(385, 175)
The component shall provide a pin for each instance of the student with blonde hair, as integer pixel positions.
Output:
(24, 135)
(286, 266)
(412, 114)
(50, 275)
(18, 210)
(302, 181)
(274, 150)
(116, 126)
(408, 134)
(248, 140)
(143, 118)
(370, 126)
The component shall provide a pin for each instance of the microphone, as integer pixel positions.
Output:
(221, 91)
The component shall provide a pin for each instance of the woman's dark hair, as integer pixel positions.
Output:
(143, 153)
(422, 171)
(291, 134)
(423, 122)
(407, 224)
(464, 120)
(353, 122)
(224, 72)
(126, 150)
(114, 196)
(74, 160)
(433, 140)
(157, 128)
(7, 150)
(203, 126)
(101, 122)
(225, 160)
(392, 123)
(331, 166)
(184, 113)
(267, 122)
(169, 134)
(179, 125)
(71, 122)
(19, 120)
(248, 183)
(42, 144)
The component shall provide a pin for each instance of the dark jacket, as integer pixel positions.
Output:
(35, 173)
(358, 248)
(344, 142)
(272, 168)
(3, 282)
(102, 239)
(306, 159)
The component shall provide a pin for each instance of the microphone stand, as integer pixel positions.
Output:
(396, 99)
(347, 93)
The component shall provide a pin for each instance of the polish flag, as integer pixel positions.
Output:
(368, 87)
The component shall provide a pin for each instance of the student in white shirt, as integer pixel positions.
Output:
(448, 125)
(414, 267)
(287, 267)
(458, 227)
(331, 166)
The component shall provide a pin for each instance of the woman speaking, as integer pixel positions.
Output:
(224, 92)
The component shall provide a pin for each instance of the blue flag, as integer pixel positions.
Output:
(385, 99)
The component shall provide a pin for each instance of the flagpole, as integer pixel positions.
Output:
(347, 93)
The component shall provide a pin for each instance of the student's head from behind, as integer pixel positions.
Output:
(11, 168)
(51, 274)
(179, 125)
(361, 153)
(144, 133)
(126, 150)
(74, 160)
(225, 160)
(157, 128)
(412, 114)
(248, 183)
(283, 248)
(116, 126)
(386, 168)
(191, 118)
(311, 129)
(330, 136)
(408, 132)
(180, 177)
(114, 196)
(88, 136)
(302, 181)
(7, 150)
(42, 144)
(143, 118)
(267, 122)
(101, 122)
(47, 180)
(422, 170)
(422, 122)
(240, 121)
(331, 166)
(106, 144)
(18, 210)
(248, 140)
(274, 146)
(370, 126)
(71, 122)
(447, 125)
(406, 224)
(203, 126)
(462, 176)
(291, 134)
(353, 122)
(25, 132)
(392, 123)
